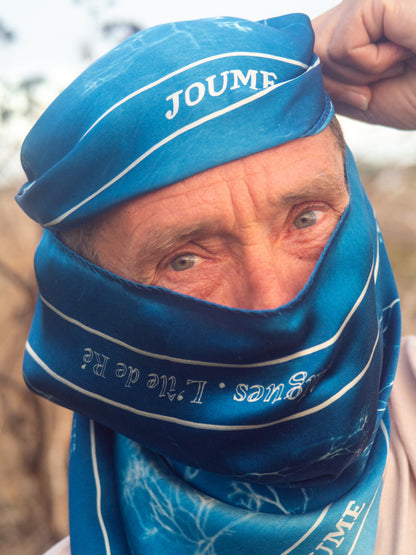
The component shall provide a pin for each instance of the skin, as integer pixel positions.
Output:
(246, 234)
(368, 54)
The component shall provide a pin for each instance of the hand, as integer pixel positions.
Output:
(368, 54)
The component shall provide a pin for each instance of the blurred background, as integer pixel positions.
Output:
(44, 45)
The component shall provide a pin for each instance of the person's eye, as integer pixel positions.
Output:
(306, 219)
(183, 262)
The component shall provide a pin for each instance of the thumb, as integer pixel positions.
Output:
(356, 96)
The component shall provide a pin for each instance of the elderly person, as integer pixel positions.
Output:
(215, 301)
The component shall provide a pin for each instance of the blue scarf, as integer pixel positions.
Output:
(203, 429)
(247, 429)
(166, 104)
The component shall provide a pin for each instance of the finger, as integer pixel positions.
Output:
(326, 20)
(354, 76)
(349, 111)
(374, 58)
(392, 103)
(357, 97)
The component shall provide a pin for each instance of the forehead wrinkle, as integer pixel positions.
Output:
(159, 239)
(326, 185)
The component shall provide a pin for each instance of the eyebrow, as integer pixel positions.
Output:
(158, 240)
(324, 185)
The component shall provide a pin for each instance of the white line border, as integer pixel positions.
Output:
(202, 425)
(98, 487)
(386, 437)
(299, 354)
(309, 532)
(168, 139)
(183, 69)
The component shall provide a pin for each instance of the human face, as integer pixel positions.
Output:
(246, 234)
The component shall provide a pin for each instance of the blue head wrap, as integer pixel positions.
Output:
(201, 428)
(136, 119)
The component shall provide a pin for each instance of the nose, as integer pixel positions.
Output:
(267, 280)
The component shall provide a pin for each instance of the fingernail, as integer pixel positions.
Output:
(355, 99)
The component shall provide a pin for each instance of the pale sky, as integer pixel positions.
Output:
(52, 37)
(50, 33)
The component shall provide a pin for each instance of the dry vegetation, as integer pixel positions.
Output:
(393, 194)
(35, 434)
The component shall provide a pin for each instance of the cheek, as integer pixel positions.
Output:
(306, 245)
(196, 282)
(213, 281)
(292, 274)
(300, 272)
(294, 270)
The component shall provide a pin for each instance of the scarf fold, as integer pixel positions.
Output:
(160, 512)
(229, 403)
